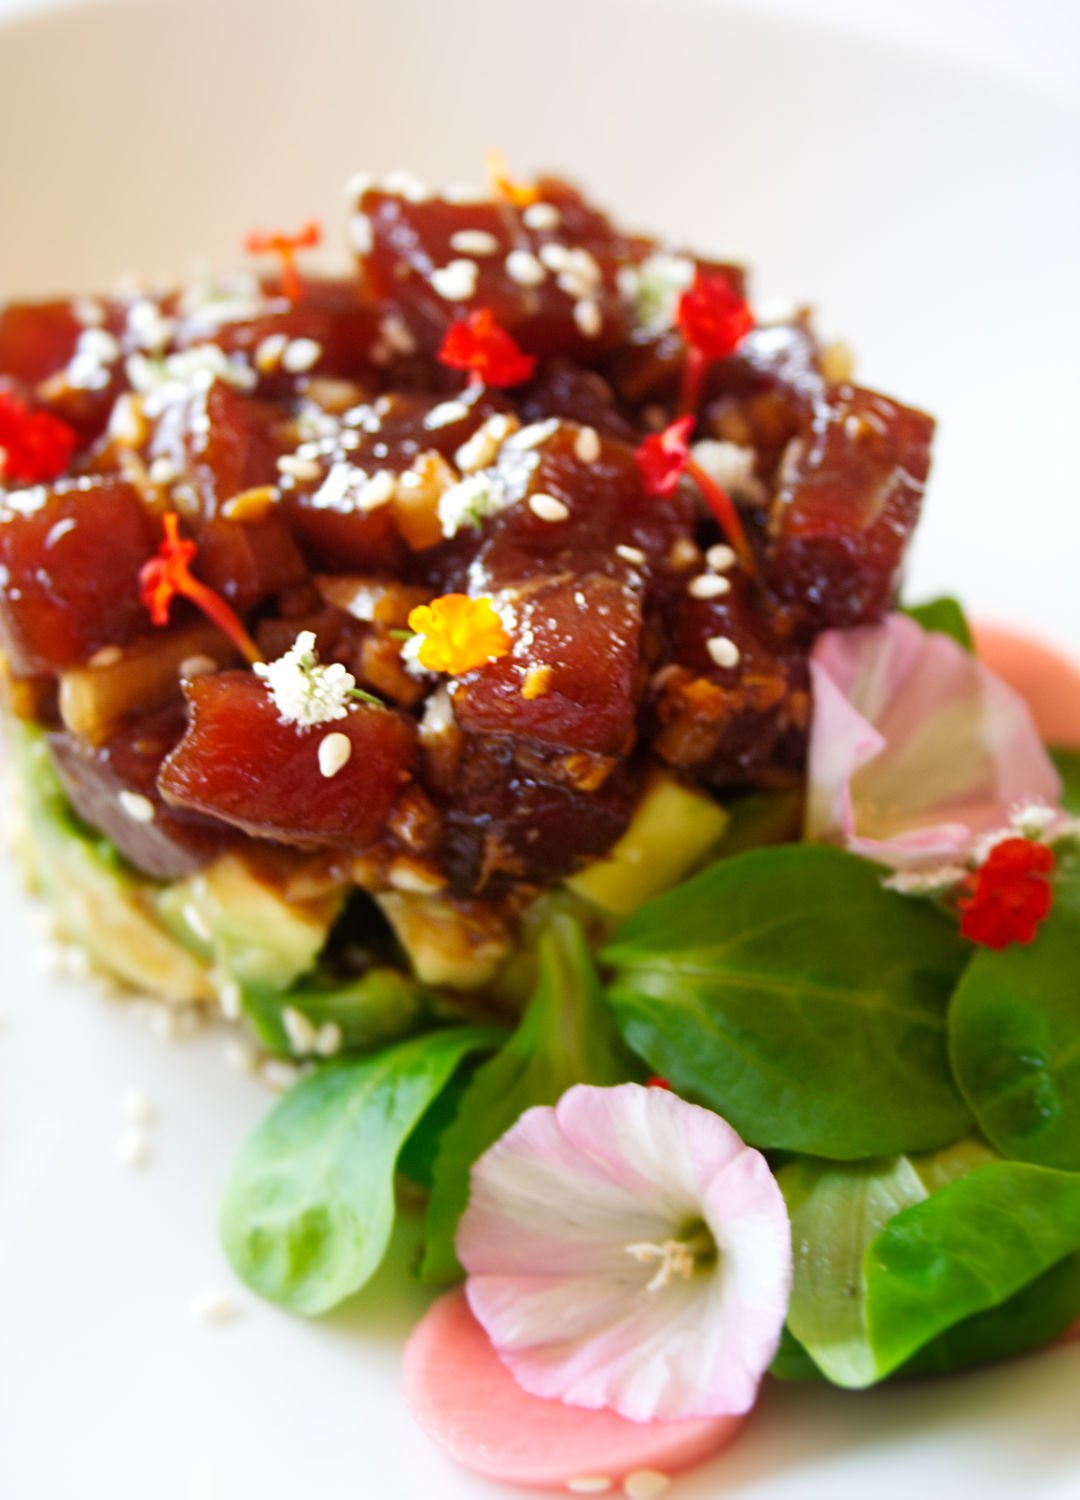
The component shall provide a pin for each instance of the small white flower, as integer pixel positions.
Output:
(307, 693)
(470, 501)
(653, 289)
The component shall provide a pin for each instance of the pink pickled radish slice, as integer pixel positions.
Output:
(1049, 681)
(467, 1402)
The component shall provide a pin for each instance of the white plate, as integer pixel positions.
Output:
(927, 207)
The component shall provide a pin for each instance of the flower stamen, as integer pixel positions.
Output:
(285, 247)
(677, 1259)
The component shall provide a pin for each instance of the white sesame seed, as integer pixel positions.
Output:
(133, 1147)
(446, 413)
(108, 656)
(541, 216)
(457, 281)
(361, 234)
(301, 355)
(632, 555)
(548, 508)
(299, 468)
(213, 1308)
(231, 999)
(532, 435)
(723, 651)
(474, 242)
(481, 450)
(164, 471)
(279, 1075)
(587, 446)
(328, 1039)
(269, 351)
(300, 1030)
(646, 1484)
(524, 268)
(555, 257)
(137, 807)
(708, 586)
(335, 752)
(588, 317)
(197, 666)
(589, 1484)
(241, 1057)
(138, 1107)
(721, 557)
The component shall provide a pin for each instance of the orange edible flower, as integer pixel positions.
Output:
(285, 247)
(169, 573)
(1009, 896)
(520, 194)
(491, 356)
(35, 446)
(458, 633)
(714, 320)
(663, 458)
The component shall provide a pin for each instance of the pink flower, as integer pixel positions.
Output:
(626, 1250)
(916, 750)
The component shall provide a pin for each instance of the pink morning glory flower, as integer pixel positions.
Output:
(916, 750)
(626, 1250)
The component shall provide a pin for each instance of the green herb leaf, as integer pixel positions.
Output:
(567, 1036)
(309, 1205)
(969, 1248)
(1014, 1024)
(787, 990)
(946, 616)
(1068, 764)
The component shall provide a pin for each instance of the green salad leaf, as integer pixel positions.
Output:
(1068, 764)
(837, 1209)
(566, 1036)
(1039, 1314)
(907, 1266)
(969, 1248)
(946, 616)
(789, 991)
(309, 1205)
(382, 1006)
(1014, 1029)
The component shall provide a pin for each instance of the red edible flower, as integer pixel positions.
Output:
(662, 460)
(488, 352)
(35, 446)
(169, 573)
(714, 320)
(285, 246)
(1009, 896)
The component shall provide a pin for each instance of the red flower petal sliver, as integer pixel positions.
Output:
(35, 446)
(486, 351)
(168, 575)
(285, 247)
(663, 458)
(714, 320)
(1009, 896)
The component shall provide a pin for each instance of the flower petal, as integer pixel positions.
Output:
(915, 748)
(572, 1310)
